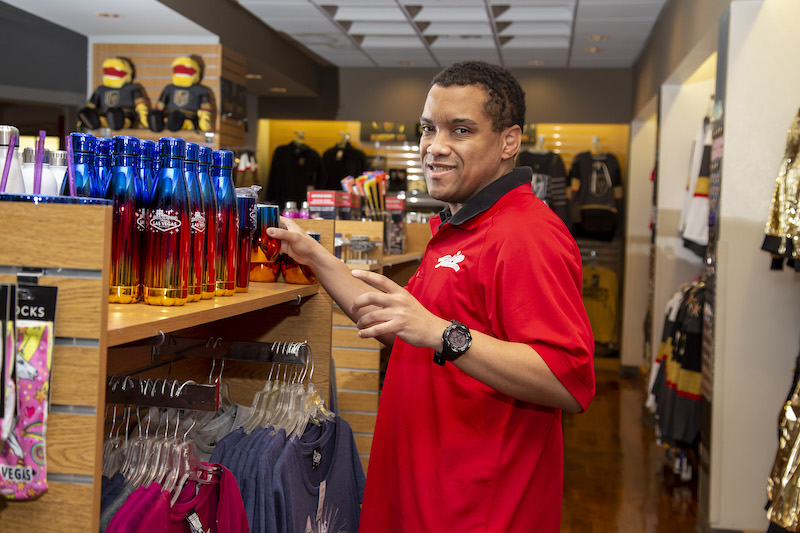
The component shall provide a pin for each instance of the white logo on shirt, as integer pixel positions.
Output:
(451, 261)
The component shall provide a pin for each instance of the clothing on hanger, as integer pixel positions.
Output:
(340, 161)
(551, 167)
(595, 195)
(295, 168)
(693, 225)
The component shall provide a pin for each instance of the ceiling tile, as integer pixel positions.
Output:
(393, 41)
(451, 13)
(458, 28)
(449, 56)
(537, 28)
(382, 28)
(535, 41)
(536, 14)
(463, 42)
(281, 9)
(370, 13)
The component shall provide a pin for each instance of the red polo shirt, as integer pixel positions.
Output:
(450, 453)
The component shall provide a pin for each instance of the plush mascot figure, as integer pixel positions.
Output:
(119, 102)
(184, 104)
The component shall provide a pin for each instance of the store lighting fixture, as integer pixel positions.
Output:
(598, 37)
(108, 15)
(253, 76)
(593, 50)
(536, 63)
(279, 90)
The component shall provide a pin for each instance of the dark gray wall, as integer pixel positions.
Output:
(322, 107)
(552, 95)
(40, 55)
(680, 27)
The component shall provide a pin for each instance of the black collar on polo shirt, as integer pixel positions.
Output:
(487, 196)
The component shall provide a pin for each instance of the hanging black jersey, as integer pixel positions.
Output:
(548, 170)
(595, 195)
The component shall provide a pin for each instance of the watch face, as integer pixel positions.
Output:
(458, 339)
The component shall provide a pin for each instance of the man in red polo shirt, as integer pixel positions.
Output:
(490, 340)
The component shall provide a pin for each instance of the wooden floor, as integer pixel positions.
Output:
(616, 478)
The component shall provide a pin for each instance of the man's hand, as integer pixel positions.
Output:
(395, 313)
(295, 242)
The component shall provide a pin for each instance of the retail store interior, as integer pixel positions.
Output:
(687, 108)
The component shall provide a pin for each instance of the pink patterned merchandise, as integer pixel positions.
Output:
(23, 472)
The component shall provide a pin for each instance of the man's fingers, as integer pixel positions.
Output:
(378, 281)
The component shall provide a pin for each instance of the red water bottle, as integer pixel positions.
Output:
(197, 217)
(227, 221)
(210, 202)
(166, 277)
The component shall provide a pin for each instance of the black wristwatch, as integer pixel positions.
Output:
(456, 340)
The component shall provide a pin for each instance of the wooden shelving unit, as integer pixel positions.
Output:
(69, 246)
(359, 362)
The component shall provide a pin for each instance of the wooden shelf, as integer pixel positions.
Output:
(129, 323)
(373, 267)
(399, 259)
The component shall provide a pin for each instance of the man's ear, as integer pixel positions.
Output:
(512, 140)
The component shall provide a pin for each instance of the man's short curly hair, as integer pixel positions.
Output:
(505, 102)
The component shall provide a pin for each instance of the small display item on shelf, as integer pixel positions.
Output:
(184, 104)
(23, 457)
(295, 273)
(210, 204)
(197, 220)
(119, 103)
(246, 198)
(264, 266)
(166, 272)
(124, 190)
(227, 221)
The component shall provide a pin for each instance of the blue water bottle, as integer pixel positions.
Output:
(144, 165)
(86, 182)
(197, 218)
(210, 203)
(126, 238)
(166, 273)
(227, 221)
(102, 163)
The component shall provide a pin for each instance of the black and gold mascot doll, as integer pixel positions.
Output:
(118, 103)
(184, 104)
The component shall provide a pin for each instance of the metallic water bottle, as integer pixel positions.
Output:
(58, 164)
(126, 238)
(14, 183)
(144, 165)
(227, 221)
(166, 273)
(197, 216)
(264, 255)
(86, 182)
(210, 203)
(103, 163)
(246, 198)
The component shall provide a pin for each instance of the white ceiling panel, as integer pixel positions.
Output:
(447, 57)
(536, 14)
(533, 41)
(279, 10)
(458, 28)
(537, 28)
(476, 42)
(460, 13)
(391, 41)
(370, 12)
(382, 28)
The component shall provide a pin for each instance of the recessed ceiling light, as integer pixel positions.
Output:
(598, 37)
(277, 89)
(593, 50)
(108, 15)
(253, 76)
(536, 63)
(405, 62)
